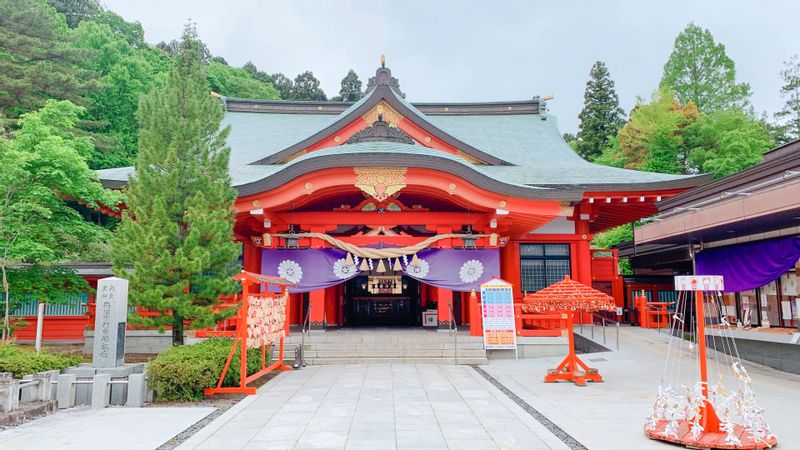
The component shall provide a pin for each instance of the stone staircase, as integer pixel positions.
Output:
(386, 345)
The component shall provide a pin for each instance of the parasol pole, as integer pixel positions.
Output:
(708, 417)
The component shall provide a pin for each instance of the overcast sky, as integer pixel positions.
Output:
(483, 50)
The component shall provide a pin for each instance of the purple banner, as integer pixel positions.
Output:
(749, 266)
(312, 269)
(458, 270)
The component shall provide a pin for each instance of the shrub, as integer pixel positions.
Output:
(181, 373)
(23, 361)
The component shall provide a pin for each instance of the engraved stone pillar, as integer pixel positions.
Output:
(110, 321)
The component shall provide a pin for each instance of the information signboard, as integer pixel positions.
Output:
(497, 310)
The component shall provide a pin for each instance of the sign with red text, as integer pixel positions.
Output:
(699, 283)
(497, 310)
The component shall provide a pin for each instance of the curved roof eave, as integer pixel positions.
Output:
(386, 93)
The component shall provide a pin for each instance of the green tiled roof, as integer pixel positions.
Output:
(539, 158)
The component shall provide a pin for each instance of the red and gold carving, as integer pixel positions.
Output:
(380, 182)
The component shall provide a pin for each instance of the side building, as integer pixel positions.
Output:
(745, 227)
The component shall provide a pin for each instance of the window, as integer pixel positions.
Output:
(542, 265)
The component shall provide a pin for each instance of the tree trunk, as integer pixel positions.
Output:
(7, 295)
(177, 329)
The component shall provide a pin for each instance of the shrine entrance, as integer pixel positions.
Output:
(382, 300)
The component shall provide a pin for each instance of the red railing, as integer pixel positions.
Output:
(540, 325)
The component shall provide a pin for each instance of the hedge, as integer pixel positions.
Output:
(181, 373)
(24, 361)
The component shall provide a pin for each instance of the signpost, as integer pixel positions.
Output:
(497, 311)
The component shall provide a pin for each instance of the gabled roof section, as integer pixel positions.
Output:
(383, 97)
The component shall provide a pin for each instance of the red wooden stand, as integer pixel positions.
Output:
(249, 280)
(572, 368)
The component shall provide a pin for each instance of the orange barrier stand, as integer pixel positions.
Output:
(249, 282)
(652, 314)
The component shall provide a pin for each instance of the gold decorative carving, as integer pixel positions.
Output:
(427, 139)
(256, 203)
(337, 139)
(390, 116)
(452, 186)
(308, 186)
(380, 182)
(502, 204)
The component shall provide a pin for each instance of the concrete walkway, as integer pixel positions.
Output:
(611, 415)
(377, 406)
(99, 429)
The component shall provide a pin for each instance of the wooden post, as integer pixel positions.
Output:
(708, 417)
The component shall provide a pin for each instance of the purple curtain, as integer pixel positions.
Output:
(749, 266)
(458, 270)
(312, 269)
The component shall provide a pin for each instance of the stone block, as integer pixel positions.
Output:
(27, 394)
(66, 390)
(9, 392)
(110, 322)
(83, 392)
(118, 391)
(52, 377)
(41, 390)
(137, 389)
(101, 390)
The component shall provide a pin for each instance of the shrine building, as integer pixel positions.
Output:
(387, 212)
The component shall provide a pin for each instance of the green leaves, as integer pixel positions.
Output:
(601, 116)
(699, 71)
(177, 234)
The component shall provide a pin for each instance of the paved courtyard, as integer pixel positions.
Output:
(376, 407)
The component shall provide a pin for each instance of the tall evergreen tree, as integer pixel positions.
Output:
(283, 84)
(306, 87)
(699, 71)
(601, 117)
(37, 59)
(177, 234)
(351, 88)
(789, 115)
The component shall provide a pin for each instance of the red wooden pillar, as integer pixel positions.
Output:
(251, 258)
(583, 259)
(316, 300)
(510, 268)
(331, 305)
(444, 299)
(475, 316)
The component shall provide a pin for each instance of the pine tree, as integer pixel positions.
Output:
(789, 115)
(601, 116)
(177, 233)
(699, 71)
(306, 87)
(351, 88)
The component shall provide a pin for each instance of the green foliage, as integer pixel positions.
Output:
(232, 82)
(601, 117)
(351, 88)
(177, 233)
(699, 71)
(22, 361)
(725, 142)
(37, 59)
(43, 166)
(181, 373)
(652, 139)
(613, 237)
(306, 87)
(789, 116)
(283, 84)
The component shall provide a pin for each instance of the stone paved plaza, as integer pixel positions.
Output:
(378, 406)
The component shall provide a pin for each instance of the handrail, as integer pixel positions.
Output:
(604, 319)
(299, 354)
(453, 327)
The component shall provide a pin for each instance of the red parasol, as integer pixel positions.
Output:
(567, 296)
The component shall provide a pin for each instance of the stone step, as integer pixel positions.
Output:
(378, 337)
(389, 360)
(403, 345)
(392, 352)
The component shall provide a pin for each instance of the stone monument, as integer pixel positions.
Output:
(111, 318)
